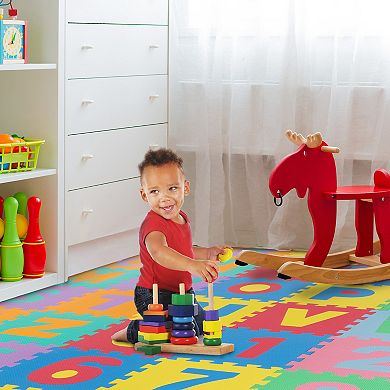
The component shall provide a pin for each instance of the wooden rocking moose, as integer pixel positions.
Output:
(312, 169)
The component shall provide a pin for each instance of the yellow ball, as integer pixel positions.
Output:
(226, 255)
(21, 225)
(1, 228)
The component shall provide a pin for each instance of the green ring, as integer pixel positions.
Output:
(182, 299)
(212, 342)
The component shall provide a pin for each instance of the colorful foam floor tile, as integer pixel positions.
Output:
(366, 358)
(305, 380)
(183, 373)
(288, 334)
(373, 326)
(294, 318)
(264, 348)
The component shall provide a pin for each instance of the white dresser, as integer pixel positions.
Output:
(116, 64)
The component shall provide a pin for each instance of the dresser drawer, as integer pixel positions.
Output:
(118, 11)
(104, 156)
(104, 210)
(110, 103)
(95, 50)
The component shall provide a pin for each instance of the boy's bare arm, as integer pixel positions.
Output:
(208, 253)
(158, 248)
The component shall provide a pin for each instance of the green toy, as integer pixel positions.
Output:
(21, 197)
(12, 259)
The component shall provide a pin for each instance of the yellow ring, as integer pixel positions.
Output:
(34, 243)
(36, 275)
(11, 279)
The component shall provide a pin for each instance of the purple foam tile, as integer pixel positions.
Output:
(113, 300)
(11, 352)
(49, 297)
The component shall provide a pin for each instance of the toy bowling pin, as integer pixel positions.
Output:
(21, 197)
(1, 217)
(21, 216)
(11, 247)
(34, 246)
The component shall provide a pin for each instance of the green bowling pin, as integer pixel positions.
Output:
(21, 197)
(12, 259)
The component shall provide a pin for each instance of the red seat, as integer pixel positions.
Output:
(358, 192)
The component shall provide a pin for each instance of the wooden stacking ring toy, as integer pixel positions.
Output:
(183, 310)
(184, 340)
(211, 315)
(183, 333)
(185, 326)
(155, 307)
(212, 342)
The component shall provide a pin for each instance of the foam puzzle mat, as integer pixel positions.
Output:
(288, 334)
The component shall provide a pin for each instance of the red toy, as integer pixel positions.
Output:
(312, 169)
(34, 246)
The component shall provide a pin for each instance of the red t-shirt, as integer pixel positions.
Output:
(179, 238)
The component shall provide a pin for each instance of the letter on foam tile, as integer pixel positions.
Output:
(262, 345)
(39, 331)
(377, 359)
(72, 371)
(299, 318)
(343, 292)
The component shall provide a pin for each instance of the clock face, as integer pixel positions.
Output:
(13, 42)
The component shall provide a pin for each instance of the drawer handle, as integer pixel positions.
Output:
(85, 157)
(154, 46)
(88, 101)
(152, 97)
(87, 211)
(87, 47)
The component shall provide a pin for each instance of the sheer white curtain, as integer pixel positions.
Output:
(244, 71)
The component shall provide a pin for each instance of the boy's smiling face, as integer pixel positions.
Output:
(164, 188)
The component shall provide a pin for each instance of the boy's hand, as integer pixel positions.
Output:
(214, 251)
(206, 269)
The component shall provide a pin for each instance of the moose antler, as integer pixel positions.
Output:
(295, 138)
(312, 141)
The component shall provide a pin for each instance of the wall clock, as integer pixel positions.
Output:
(13, 42)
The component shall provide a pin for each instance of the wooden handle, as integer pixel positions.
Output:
(211, 296)
(182, 289)
(330, 149)
(155, 293)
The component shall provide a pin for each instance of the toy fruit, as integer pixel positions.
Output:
(6, 139)
(226, 255)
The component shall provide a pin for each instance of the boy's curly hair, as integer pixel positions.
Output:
(160, 157)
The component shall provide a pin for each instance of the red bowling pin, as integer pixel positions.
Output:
(34, 246)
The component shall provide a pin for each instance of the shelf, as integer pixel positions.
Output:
(10, 290)
(4, 67)
(17, 176)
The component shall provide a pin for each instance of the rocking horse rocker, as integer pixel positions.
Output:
(312, 169)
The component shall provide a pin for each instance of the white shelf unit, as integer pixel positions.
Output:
(17, 176)
(27, 66)
(32, 105)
